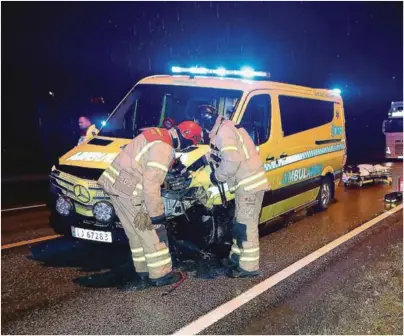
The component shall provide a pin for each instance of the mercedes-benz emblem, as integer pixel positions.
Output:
(81, 193)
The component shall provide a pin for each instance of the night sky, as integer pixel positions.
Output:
(82, 49)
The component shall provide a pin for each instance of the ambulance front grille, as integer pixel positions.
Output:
(66, 184)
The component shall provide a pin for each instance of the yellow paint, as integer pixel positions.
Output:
(113, 148)
(26, 242)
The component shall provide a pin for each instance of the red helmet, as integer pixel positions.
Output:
(191, 131)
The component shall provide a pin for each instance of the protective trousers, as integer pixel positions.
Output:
(148, 244)
(245, 249)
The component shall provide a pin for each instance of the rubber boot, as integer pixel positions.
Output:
(240, 273)
(140, 282)
(168, 279)
(228, 263)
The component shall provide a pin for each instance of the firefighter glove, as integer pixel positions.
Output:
(178, 168)
(142, 221)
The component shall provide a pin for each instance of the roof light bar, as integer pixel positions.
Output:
(221, 72)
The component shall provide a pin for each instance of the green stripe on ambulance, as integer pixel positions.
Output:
(302, 156)
(301, 174)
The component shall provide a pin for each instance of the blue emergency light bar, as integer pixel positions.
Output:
(337, 91)
(246, 72)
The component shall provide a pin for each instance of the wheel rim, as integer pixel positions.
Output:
(325, 194)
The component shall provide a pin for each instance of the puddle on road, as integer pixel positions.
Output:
(101, 259)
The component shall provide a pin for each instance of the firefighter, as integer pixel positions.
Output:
(133, 182)
(238, 164)
(87, 129)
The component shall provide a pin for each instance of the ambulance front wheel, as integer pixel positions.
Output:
(325, 194)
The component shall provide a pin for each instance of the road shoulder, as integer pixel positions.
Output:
(360, 293)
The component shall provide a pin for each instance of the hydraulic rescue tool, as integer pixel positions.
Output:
(220, 187)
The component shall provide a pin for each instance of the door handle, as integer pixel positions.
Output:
(327, 141)
(282, 156)
(270, 158)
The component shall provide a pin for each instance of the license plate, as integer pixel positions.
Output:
(100, 236)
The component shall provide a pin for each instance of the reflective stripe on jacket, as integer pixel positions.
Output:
(90, 132)
(239, 157)
(140, 169)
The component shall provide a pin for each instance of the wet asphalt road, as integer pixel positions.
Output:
(356, 289)
(39, 295)
(24, 225)
(24, 192)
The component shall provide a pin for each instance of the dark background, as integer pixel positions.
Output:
(79, 50)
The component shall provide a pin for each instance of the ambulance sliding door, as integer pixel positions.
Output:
(260, 118)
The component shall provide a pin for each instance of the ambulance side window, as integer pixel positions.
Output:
(301, 114)
(257, 118)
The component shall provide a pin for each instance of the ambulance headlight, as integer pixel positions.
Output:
(64, 206)
(103, 211)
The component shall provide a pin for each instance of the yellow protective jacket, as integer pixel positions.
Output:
(140, 169)
(240, 165)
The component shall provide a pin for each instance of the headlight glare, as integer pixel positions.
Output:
(64, 206)
(103, 211)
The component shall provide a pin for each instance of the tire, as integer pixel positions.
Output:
(325, 195)
(59, 225)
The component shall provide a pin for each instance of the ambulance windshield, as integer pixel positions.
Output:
(151, 105)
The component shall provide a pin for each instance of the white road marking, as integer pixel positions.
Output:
(23, 208)
(222, 311)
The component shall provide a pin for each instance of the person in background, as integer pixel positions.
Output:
(87, 129)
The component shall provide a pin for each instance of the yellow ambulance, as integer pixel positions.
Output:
(299, 133)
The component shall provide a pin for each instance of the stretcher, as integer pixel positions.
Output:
(365, 173)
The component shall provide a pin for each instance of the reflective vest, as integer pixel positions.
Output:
(90, 132)
(158, 134)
